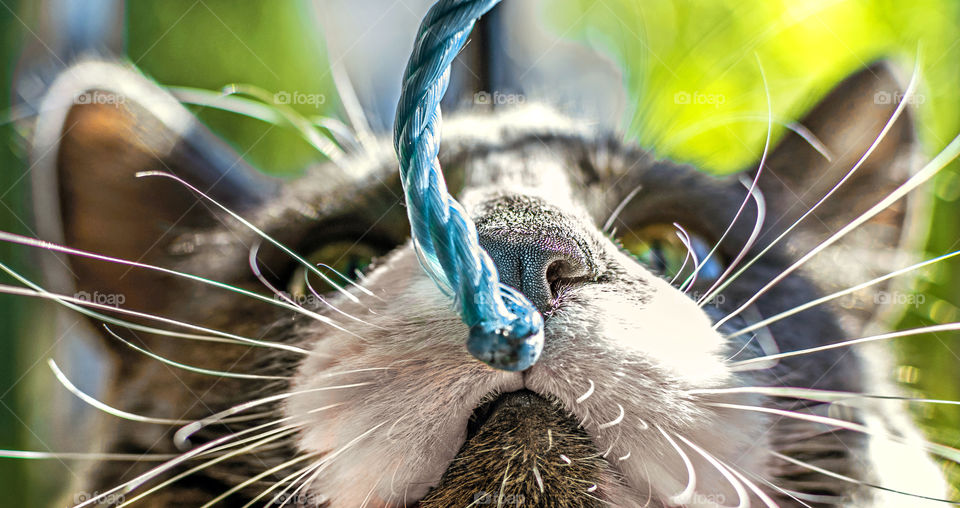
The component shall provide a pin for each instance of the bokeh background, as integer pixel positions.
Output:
(659, 50)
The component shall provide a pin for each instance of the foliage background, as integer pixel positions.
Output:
(663, 47)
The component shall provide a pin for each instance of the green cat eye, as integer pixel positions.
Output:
(341, 261)
(660, 248)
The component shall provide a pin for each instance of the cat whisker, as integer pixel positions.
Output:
(944, 451)
(691, 252)
(767, 500)
(615, 421)
(773, 486)
(756, 177)
(318, 296)
(911, 88)
(686, 495)
(191, 368)
(92, 401)
(73, 302)
(933, 167)
(718, 121)
(366, 498)
(259, 232)
(827, 396)
(274, 435)
(255, 269)
(32, 242)
(946, 327)
(166, 466)
(686, 258)
(348, 280)
(253, 479)
(757, 195)
(848, 479)
(85, 456)
(838, 294)
(742, 496)
(620, 207)
(586, 394)
(282, 481)
(181, 437)
(328, 459)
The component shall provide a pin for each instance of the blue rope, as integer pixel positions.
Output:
(506, 331)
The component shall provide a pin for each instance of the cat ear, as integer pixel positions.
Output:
(802, 169)
(98, 126)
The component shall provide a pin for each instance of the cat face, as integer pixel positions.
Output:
(367, 395)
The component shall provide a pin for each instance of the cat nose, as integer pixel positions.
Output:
(536, 250)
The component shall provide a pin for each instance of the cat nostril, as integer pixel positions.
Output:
(562, 273)
(540, 270)
(537, 249)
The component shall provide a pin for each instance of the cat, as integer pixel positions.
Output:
(359, 391)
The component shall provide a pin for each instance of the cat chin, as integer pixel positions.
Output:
(411, 387)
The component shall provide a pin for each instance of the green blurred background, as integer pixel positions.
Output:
(662, 48)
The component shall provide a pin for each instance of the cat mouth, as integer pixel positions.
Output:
(523, 447)
(510, 401)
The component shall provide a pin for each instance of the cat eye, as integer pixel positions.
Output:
(342, 261)
(661, 248)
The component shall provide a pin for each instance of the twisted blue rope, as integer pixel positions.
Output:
(506, 331)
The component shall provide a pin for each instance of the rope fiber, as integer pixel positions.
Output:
(506, 331)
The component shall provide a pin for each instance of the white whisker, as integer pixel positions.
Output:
(911, 183)
(935, 448)
(615, 421)
(756, 177)
(253, 479)
(832, 296)
(92, 456)
(274, 435)
(586, 394)
(73, 302)
(691, 252)
(110, 410)
(946, 327)
(854, 480)
(620, 207)
(255, 229)
(31, 242)
(328, 459)
(755, 193)
(282, 481)
(686, 495)
(166, 466)
(815, 394)
(742, 497)
(778, 489)
(191, 368)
